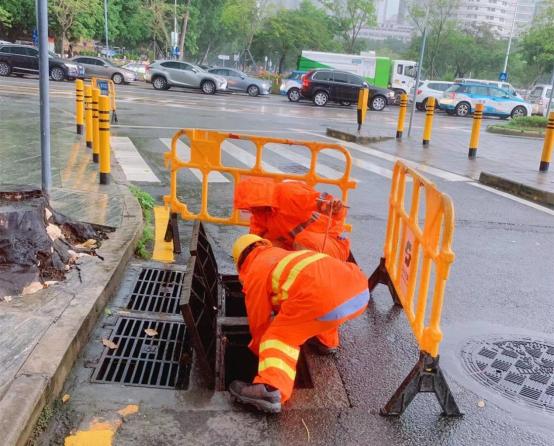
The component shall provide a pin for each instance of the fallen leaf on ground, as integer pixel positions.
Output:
(50, 283)
(47, 214)
(481, 403)
(110, 344)
(65, 398)
(150, 331)
(128, 410)
(53, 231)
(33, 287)
(107, 312)
(8, 298)
(90, 243)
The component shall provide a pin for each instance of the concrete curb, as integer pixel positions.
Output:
(41, 377)
(518, 189)
(514, 132)
(359, 139)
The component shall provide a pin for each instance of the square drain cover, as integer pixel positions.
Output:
(157, 291)
(161, 361)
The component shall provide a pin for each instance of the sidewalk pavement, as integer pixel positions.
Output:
(41, 334)
(509, 163)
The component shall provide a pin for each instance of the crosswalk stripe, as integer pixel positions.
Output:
(361, 164)
(133, 165)
(183, 151)
(304, 161)
(246, 158)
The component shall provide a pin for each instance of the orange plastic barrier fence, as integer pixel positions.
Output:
(205, 155)
(107, 88)
(417, 259)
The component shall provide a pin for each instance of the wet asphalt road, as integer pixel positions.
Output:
(501, 283)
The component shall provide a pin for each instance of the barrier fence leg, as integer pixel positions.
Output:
(548, 144)
(428, 127)
(172, 233)
(425, 377)
(381, 275)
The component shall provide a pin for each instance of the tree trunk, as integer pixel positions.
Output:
(205, 57)
(184, 32)
(64, 39)
(282, 62)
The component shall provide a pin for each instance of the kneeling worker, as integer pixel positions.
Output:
(311, 295)
(293, 215)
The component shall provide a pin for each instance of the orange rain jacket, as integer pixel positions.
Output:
(289, 214)
(310, 293)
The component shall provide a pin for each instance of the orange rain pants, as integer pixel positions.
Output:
(290, 215)
(311, 293)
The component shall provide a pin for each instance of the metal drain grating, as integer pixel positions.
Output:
(161, 361)
(157, 290)
(524, 374)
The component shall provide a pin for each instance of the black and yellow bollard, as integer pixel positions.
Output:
(401, 115)
(363, 97)
(104, 129)
(428, 127)
(88, 116)
(95, 128)
(475, 131)
(548, 144)
(79, 105)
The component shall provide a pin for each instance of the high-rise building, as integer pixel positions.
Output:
(496, 15)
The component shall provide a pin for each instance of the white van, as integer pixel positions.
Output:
(539, 97)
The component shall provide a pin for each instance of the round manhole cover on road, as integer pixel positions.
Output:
(520, 369)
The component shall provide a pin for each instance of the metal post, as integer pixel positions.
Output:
(42, 25)
(418, 75)
(510, 39)
(551, 94)
(106, 26)
(174, 40)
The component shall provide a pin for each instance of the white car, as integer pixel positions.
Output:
(500, 84)
(292, 85)
(539, 98)
(429, 89)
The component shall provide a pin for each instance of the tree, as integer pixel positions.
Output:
(538, 43)
(5, 18)
(17, 18)
(67, 12)
(186, 17)
(351, 16)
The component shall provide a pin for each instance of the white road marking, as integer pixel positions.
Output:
(245, 157)
(133, 165)
(530, 204)
(183, 151)
(362, 164)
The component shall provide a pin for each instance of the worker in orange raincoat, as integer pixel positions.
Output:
(311, 294)
(293, 215)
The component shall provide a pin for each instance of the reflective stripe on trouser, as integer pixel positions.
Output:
(286, 333)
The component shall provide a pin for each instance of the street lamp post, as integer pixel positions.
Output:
(106, 26)
(505, 70)
(42, 25)
(174, 40)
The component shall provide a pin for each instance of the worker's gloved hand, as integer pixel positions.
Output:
(327, 207)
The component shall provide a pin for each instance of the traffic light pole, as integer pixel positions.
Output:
(42, 22)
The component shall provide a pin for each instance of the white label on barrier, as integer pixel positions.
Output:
(407, 254)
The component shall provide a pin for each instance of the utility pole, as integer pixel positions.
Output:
(106, 26)
(42, 25)
(419, 67)
(505, 70)
(174, 40)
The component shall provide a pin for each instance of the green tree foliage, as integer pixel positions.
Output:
(5, 18)
(538, 44)
(19, 18)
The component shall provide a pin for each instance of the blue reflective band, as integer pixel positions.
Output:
(349, 307)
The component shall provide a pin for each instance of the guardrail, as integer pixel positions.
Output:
(414, 254)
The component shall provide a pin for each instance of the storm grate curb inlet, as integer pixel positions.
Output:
(157, 290)
(521, 370)
(160, 361)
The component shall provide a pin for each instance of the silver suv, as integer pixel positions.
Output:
(164, 74)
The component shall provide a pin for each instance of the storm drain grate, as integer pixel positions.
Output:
(157, 291)
(162, 360)
(524, 374)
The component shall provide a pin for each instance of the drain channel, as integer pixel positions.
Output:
(159, 361)
(157, 291)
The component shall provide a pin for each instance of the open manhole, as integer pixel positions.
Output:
(157, 291)
(161, 361)
(519, 369)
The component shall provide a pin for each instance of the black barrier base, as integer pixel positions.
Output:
(104, 178)
(89, 144)
(472, 154)
(79, 129)
(172, 233)
(544, 166)
(425, 142)
(114, 117)
(425, 377)
(381, 275)
(95, 157)
(398, 135)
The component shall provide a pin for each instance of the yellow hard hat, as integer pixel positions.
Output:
(243, 242)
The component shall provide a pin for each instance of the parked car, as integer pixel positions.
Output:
(23, 59)
(292, 85)
(460, 100)
(98, 67)
(500, 84)
(539, 98)
(323, 85)
(429, 89)
(164, 74)
(239, 81)
(139, 68)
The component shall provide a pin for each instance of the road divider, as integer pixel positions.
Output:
(363, 98)
(428, 126)
(79, 105)
(95, 125)
(401, 115)
(415, 266)
(475, 131)
(88, 117)
(104, 132)
(548, 144)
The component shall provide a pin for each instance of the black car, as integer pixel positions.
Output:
(23, 59)
(322, 86)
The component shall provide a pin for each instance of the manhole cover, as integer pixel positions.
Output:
(157, 291)
(519, 369)
(142, 360)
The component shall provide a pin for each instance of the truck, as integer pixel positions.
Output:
(398, 75)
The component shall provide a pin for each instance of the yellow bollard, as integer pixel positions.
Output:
(88, 116)
(401, 115)
(475, 131)
(95, 128)
(363, 97)
(79, 105)
(104, 129)
(548, 144)
(428, 127)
